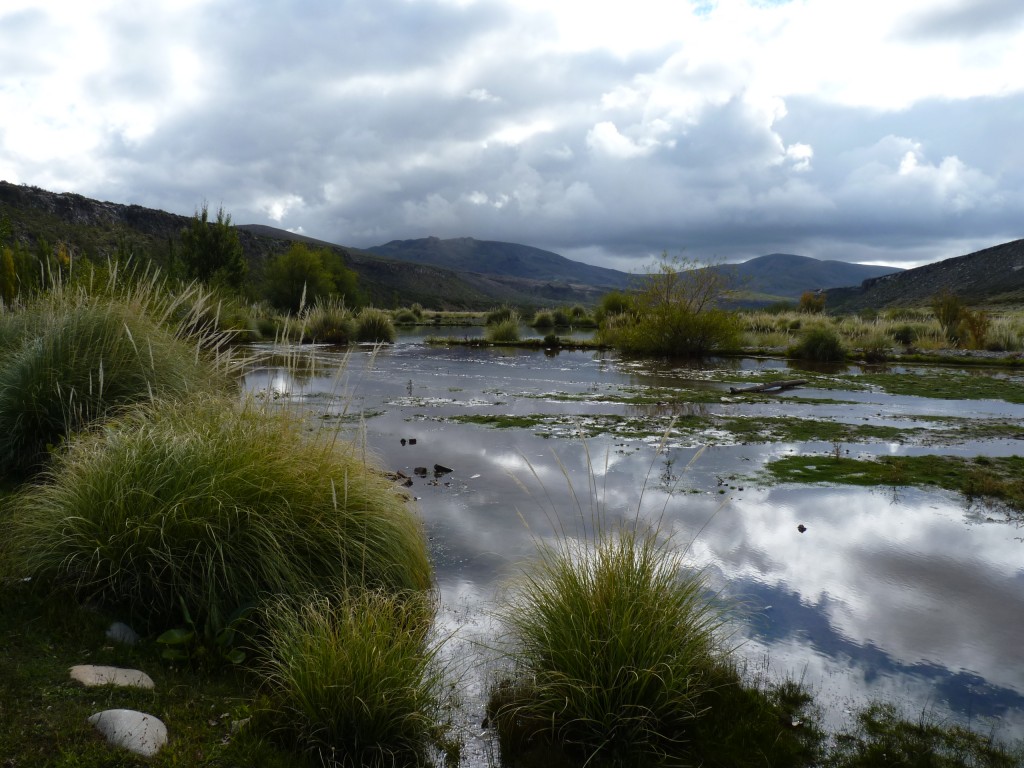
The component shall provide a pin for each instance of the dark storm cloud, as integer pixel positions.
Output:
(362, 123)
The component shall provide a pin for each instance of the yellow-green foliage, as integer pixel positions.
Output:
(213, 505)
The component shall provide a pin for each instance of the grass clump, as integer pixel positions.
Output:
(328, 322)
(354, 680)
(73, 358)
(374, 325)
(501, 314)
(616, 655)
(543, 319)
(407, 317)
(506, 331)
(883, 737)
(206, 507)
(819, 344)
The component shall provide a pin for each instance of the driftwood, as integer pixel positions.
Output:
(780, 385)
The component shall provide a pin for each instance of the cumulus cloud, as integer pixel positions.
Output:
(731, 129)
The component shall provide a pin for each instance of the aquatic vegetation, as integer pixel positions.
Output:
(505, 331)
(329, 322)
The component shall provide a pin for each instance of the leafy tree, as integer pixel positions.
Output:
(211, 251)
(297, 277)
(812, 302)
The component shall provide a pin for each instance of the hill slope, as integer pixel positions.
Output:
(466, 254)
(787, 276)
(990, 276)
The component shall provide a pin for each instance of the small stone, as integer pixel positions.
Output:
(135, 731)
(120, 632)
(91, 675)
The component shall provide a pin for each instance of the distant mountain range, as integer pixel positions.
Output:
(465, 273)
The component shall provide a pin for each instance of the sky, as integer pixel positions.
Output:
(876, 131)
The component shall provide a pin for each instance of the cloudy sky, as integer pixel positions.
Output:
(885, 131)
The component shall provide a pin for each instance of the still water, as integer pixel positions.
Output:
(898, 593)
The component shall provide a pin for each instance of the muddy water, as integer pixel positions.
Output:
(899, 593)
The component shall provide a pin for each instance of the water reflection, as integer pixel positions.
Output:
(901, 596)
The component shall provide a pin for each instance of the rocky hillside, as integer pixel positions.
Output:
(993, 276)
(785, 276)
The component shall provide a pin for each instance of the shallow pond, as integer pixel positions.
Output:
(900, 593)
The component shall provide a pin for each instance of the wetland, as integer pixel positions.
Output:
(867, 523)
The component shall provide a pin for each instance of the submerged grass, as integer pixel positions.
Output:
(354, 680)
(210, 506)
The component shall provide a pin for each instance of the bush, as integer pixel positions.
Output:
(72, 359)
(328, 322)
(905, 334)
(948, 310)
(820, 345)
(500, 315)
(812, 302)
(211, 506)
(673, 330)
(375, 325)
(543, 319)
(506, 331)
(406, 317)
(353, 681)
(614, 303)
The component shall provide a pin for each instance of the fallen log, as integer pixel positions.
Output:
(780, 385)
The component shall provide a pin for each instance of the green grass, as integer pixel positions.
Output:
(504, 331)
(882, 738)
(374, 325)
(819, 345)
(43, 713)
(328, 322)
(354, 680)
(617, 658)
(214, 506)
(985, 478)
(72, 358)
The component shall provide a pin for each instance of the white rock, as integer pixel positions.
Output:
(135, 731)
(120, 632)
(90, 674)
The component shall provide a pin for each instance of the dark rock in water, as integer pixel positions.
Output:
(402, 441)
(412, 441)
(801, 527)
(441, 469)
(421, 471)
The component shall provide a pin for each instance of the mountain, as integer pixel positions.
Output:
(466, 254)
(785, 276)
(990, 276)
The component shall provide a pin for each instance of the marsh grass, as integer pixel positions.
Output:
(374, 325)
(73, 357)
(355, 680)
(819, 344)
(618, 655)
(327, 322)
(212, 506)
(883, 737)
(504, 331)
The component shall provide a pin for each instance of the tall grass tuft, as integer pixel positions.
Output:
(211, 506)
(375, 325)
(353, 680)
(819, 344)
(614, 645)
(506, 331)
(328, 322)
(72, 357)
